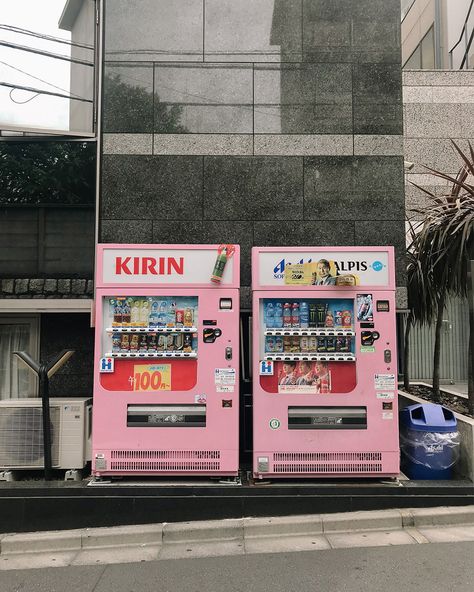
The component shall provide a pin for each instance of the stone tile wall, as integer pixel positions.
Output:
(277, 122)
(439, 106)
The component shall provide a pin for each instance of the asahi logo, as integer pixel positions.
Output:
(149, 265)
(279, 269)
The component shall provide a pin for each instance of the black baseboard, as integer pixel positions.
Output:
(33, 506)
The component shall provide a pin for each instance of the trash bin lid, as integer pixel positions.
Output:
(428, 417)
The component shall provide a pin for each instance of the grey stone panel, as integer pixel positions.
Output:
(438, 78)
(150, 187)
(154, 30)
(445, 157)
(127, 143)
(250, 31)
(209, 232)
(378, 145)
(392, 233)
(204, 144)
(126, 231)
(342, 188)
(419, 151)
(304, 119)
(203, 98)
(467, 121)
(429, 120)
(303, 232)
(303, 145)
(327, 26)
(257, 188)
(128, 98)
(377, 99)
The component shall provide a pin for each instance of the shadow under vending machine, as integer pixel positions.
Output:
(166, 397)
(325, 374)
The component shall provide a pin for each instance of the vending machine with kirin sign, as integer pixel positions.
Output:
(325, 363)
(166, 360)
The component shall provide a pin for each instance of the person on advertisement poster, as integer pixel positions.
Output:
(288, 375)
(306, 374)
(323, 276)
(322, 378)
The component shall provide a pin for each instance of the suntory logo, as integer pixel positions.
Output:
(149, 265)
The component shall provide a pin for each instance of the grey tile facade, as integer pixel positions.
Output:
(265, 123)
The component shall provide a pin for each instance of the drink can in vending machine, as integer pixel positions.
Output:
(161, 343)
(346, 318)
(125, 343)
(188, 343)
(338, 318)
(295, 314)
(287, 344)
(330, 344)
(321, 344)
(295, 344)
(134, 343)
(321, 310)
(179, 317)
(312, 344)
(287, 315)
(170, 342)
(349, 344)
(278, 345)
(179, 341)
(116, 339)
(340, 344)
(143, 347)
(152, 343)
(304, 344)
(313, 315)
(188, 317)
(270, 344)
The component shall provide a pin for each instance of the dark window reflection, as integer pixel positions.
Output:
(165, 30)
(203, 98)
(303, 98)
(128, 98)
(252, 30)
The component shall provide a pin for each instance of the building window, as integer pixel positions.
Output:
(423, 58)
(18, 334)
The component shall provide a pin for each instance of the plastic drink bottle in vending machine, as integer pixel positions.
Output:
(304, 315)
(269, 315)
(287, 315)
(295, 314)
(278, 321)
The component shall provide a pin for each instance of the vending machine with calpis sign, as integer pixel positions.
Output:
(325, 362)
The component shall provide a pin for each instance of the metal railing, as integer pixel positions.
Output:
(467, 34)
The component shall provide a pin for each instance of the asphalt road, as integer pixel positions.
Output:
(411, 568)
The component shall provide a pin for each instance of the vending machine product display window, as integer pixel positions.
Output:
(324, 397)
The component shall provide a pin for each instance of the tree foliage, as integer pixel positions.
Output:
(444, 247)
(53, 172)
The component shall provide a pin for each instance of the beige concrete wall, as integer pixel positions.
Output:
(415, 26)
(438, 106)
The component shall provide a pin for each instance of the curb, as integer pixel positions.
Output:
(215, 531)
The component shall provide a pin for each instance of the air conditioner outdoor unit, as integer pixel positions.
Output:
(21, 433)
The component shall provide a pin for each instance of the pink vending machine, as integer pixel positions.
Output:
(166, 360)
(325, 372)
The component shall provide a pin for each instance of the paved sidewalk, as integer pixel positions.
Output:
(151, 542)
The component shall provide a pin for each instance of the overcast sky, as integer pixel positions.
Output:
(41, 16)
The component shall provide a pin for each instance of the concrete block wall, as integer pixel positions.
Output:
(277, 122)
(438, 106)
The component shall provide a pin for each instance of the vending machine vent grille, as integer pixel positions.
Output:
(151, 465)
(327, 456)
(165, 454)
(327, 462)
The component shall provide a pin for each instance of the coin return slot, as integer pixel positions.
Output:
(166, 416)
(225, 303)
(327, 418)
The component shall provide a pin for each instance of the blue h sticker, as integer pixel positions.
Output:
(106, 365)
(266, 368)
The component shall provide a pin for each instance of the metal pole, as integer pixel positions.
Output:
(44, 394)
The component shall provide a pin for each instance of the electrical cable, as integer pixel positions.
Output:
(21, 31)
(48, 54)
(40, 79)
(43, 92)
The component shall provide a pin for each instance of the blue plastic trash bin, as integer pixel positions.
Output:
(429, 441)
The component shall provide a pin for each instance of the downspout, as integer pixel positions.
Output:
(438, 35)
